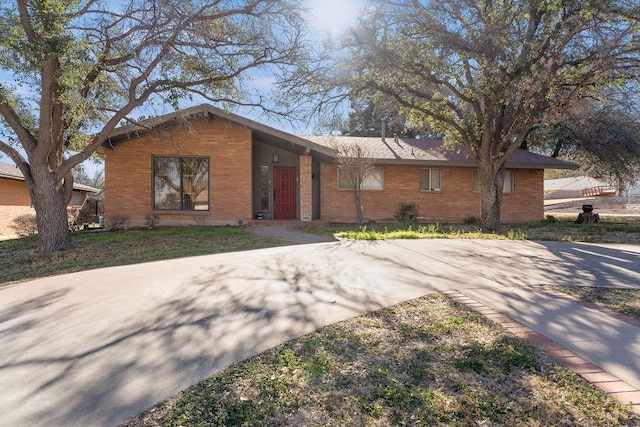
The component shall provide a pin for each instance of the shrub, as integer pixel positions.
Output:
(25, 225)
(407, 211)
(152, 221)
(471, 219)
(516, 234)
(117, 222)
(550, 219)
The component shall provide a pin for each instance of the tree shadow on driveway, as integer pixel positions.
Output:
(120, 340)
(97, 347)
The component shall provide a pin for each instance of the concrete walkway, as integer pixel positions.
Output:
(289, 234)
(96, 347)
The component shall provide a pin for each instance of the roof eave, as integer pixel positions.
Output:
(136, 130)
(563, 165)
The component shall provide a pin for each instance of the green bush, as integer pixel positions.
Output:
(406, 211)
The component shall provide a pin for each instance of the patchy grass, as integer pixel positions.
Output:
(425, 362)
(429, 231)
(19, 261)
(611, 230)
(626, 301)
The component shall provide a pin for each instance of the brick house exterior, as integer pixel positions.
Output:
(203, 165)
(15, 200)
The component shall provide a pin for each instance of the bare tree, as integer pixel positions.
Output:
(78, 69)
(355, 165)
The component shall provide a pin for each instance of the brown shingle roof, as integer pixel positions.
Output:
(12, 172)
(405, 151)
(432, 152)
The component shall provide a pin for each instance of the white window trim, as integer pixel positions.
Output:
(475, 182)
(430, 171)
(377, 169)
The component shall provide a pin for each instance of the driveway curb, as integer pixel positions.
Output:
(609, 384)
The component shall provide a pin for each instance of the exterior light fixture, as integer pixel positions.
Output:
(276, 157)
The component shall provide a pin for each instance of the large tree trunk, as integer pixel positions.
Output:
(50, 201)
(491, 182)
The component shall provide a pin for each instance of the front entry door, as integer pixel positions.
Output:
(284, 192)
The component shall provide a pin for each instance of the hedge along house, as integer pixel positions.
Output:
(203, 165)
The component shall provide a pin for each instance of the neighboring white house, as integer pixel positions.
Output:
(570, 188)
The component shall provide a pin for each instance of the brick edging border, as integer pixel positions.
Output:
(609, 384)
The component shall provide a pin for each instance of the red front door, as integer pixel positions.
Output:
(284, 192)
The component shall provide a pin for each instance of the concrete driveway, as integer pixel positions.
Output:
(97, 347)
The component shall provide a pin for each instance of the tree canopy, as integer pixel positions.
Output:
(75, 69)
(604, 139)
(484, 73)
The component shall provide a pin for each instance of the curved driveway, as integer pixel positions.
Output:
(96, 347)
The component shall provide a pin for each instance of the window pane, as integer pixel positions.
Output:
(344, 180)
(374, 180)
(166, 181)
(76, 199)
(430, 180)
(508, 186)
(180, 183)
(264, 188)
(424, 179)
(195, 184)
(435, 180)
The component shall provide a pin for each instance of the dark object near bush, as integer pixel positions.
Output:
(406, 211)
(587, 215)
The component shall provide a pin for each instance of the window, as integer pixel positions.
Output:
(507, 187)
(509, 181)
(181, 183)
(264, 187)
(76, 198)
(374, 180)
(430, 180)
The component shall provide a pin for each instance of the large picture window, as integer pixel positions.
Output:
(430, 180)
(374, 180)
(509, 185)
(181, 183)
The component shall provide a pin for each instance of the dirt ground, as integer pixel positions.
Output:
(602, 205)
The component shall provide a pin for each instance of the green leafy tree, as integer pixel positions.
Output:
(77, 68)
(483, 73)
